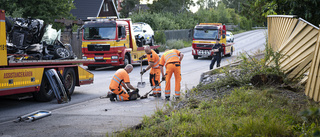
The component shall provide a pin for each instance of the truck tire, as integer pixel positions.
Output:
(46, 92)
(195, 56)
(230, 54)
(126, 60)
(69, 77)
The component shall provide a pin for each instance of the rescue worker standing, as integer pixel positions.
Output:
(119, 80)
(153, 61)
(217, 50)
(171, 59)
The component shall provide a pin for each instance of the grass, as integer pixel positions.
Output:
(245, 112)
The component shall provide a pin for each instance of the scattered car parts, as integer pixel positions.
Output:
(33, 116)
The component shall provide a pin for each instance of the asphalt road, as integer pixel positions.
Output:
(85, 115)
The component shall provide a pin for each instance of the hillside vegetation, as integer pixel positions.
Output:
(237, 105)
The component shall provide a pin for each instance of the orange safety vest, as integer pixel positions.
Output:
(153, 57)
(170, 57)
(121, 76)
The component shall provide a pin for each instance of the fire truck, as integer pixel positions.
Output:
(205, 36)
(110, 42)
(28, 76)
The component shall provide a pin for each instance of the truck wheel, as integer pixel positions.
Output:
(91, 68)
(46, 92)
(231, 52)
(195, 56)
(70, 79)
(126, 60)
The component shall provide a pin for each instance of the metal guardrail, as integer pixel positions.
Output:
(295, 39)
(259, 27)
(299, 43)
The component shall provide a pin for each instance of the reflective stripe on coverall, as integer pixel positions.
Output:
(172, 62)
(120, 77)
(154, 72)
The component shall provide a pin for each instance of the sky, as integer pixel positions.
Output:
(192, 8)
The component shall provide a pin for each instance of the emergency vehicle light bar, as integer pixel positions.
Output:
(210, 24)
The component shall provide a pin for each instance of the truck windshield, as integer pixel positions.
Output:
(205, 34)
(97, 33)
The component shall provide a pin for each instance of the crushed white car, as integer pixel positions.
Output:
(143, 33)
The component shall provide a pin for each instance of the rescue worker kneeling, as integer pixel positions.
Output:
(119, 80)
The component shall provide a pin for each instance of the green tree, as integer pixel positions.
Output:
(225, 17)
(306, 9)
(173, 6)
(47, 10)
(206, 4)
(234, 4)
(127, 7)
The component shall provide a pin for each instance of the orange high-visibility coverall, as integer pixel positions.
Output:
(154, 72)
(120, 77)
(172, 62)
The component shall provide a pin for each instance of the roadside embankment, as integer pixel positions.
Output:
(245, 98)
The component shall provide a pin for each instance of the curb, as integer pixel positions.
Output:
(233, 64)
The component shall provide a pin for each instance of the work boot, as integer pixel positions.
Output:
(157, 95)
(112, 96)
(167, 98)
(177, 98)
(109, 94)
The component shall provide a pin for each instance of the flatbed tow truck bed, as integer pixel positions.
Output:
(48, 62)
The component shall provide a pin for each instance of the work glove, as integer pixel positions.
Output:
(137, 90)
(128, 90)
(143, 71)
(143, 56)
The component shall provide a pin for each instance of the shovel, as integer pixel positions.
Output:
(146, 95)
(141, 84)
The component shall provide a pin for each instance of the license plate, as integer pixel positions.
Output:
(98, 57)
(204, 52)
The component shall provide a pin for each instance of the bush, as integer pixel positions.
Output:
(175, 44)
(172, 44)
(160, 37)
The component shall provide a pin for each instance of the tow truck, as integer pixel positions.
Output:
(205, 36)
(28, 76)
(110, 42)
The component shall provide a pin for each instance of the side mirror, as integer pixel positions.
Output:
(144, 31)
